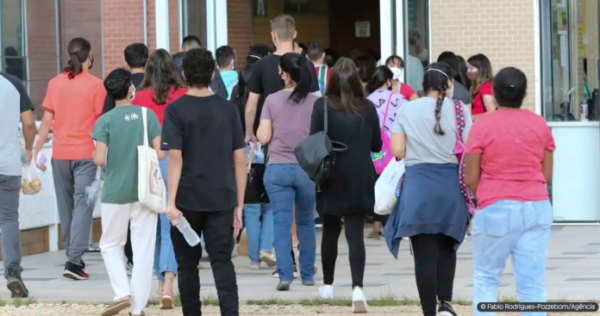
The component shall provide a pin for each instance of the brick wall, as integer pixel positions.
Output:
(174, 26)
(239, 24)
(151, 23)
(122, 24)
(502, 30)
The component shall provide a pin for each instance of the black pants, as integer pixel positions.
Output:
(332, 228)
(128, 250)
(217, 228)
(435, 265)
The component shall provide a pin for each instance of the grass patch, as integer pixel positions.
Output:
(17, 302)
(508, 299)
(152, 302)
(210, 299)
(2, 303)
(269, 301)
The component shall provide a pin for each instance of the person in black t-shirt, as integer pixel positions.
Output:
(265, 77)
(136, 56)
(204, 187)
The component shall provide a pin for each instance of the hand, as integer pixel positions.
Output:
(29, 156)
(237, 221)
(250, 138)
(36, 156)
(172, 214)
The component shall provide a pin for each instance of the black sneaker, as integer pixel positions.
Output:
(15, 284)
(445, 309)
(75, 272)
(318, 222)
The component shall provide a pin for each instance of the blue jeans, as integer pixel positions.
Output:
(518, 229)
(164, 256)
(259, 235)
(288, 185)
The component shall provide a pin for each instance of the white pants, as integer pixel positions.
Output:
(115, 218)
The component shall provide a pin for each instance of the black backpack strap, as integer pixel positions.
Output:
(325, 109)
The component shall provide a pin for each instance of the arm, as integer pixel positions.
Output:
(172, 140)
(265, 132)
(99, 100)
(398, 144)
(548, 165)
(100, 154)
(174, 165)
(156, 145)
(376, 142)
(154, 131)
(27, 120)
(47, 120)
(316, 120)
(489, 103)
(239, 159)
(414, 97)
(251, 107)
(472, 171)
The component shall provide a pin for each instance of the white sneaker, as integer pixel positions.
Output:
(359, 301)
(326, 292)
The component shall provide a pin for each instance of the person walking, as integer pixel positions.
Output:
(117, 134)
(431, 209)
(481, 75)
(316, 54)
(162, 86)
(226, 64)
(349, 193)
(15, 106)
(459, 91)
(509, 165)
(74, 101)
(396, 65)
(205, 189)
(285, 122)
(387, 103)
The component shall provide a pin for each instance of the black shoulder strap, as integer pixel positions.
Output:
(325, 109)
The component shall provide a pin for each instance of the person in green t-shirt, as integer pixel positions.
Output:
(119, 132)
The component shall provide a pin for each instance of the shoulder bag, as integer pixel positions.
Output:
(255, 187)
(459, 151)
(152, 191)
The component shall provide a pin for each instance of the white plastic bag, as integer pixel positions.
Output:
(30, 182)
(93, 191)
(151, 187)
(386, 194)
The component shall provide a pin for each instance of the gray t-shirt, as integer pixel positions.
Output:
(461, 93)
(416, 120)
(291, 124)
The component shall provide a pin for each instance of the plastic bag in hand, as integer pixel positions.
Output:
(30, 183)
(92, 191)
(387, 187)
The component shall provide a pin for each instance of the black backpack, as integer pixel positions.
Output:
(316, 154)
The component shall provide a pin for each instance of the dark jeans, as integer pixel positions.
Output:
(332, 228)
(435, 265)
(217, 228)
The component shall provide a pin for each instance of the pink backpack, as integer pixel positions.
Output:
(459, 151)
(383, 158)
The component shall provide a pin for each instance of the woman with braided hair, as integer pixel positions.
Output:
(431, 210)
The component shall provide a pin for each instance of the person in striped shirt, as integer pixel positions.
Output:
(316, 54)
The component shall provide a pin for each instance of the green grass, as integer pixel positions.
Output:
(17, 302)
(270, 301)
(2, 303)
(210, 300)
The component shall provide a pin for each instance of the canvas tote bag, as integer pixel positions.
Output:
(152, 192)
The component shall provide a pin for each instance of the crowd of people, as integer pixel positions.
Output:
(460, 131)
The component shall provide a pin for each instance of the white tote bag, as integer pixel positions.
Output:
(152, 192)
(386, 185)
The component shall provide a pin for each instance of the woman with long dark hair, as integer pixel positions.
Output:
(349, 193)
(431, 210)
(284, 123)
(463, 68)
(161, 86)
(459, 91)
(481, 75)
(73, 102)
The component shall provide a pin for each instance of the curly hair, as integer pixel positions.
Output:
(198, 67)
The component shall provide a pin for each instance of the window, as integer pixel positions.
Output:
(194, 19)
(417, 37)
(12, 40)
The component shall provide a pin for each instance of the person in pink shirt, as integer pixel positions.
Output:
(508, 166)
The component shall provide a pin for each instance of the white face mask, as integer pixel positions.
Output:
(398, 73)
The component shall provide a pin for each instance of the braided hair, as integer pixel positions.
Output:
(436, 78)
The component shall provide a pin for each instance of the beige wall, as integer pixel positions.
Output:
(502, 30)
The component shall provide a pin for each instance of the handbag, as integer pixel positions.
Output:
(459, 151)
(316, 153)
(152, 191)
(255, 187)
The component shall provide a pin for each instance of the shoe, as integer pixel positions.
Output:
(446, 309)
(326, 292)
(308, 283)
(359, 301)
(268, 259)
(15, 284)
(166, 302)
(275, 273)
(75, 272)
(254, 266)
(116, 307)
(283, 286)
(318, 222)
(141, 314)
(374, 235)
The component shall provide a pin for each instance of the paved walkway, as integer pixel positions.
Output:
(573, 273)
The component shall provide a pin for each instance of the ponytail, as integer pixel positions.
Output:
(438, 114)
(436, 79)
(79, 51)
(297, 67)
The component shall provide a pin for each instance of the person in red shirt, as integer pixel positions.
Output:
(508, 166)
(396, 65)
(161, 86)
(481, 75)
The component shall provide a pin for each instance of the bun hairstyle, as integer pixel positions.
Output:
(510, 87)
(381, 75)
(296, 67)
(79, 51)
(436, 78)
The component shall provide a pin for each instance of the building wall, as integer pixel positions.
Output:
(502, 30)
(239, 25)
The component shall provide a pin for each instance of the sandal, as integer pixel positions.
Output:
(166, 299)
(374, 235)
(116, 307)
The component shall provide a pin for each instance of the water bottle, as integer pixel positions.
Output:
(186, 230)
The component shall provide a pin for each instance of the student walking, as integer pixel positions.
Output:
(316, 54)
(431, 209)
(73, 102)
(162, 86)
(15, 106)
(508, 165)
(118, 133)
(481, 75)
(226, 63)
(205, 189)
(349, 193)
(459, 91)
(285, 122)
(396, 65)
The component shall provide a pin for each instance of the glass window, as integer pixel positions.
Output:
(417, 46)
(11, 38)
(569, 31)
(194, 19)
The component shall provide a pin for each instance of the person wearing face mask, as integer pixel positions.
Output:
(74, 101)
(387, 103)
(459, 92)
(431, 210)
(481, 75)
(396, 65)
